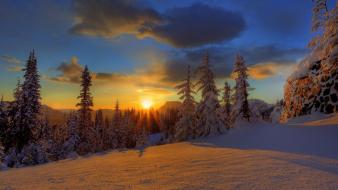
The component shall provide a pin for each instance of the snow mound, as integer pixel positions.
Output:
(303, 67)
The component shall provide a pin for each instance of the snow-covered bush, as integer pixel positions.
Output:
(260, 109)
(31, 154)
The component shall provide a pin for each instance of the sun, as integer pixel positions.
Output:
(146, 104)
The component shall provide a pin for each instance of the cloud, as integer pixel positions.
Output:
(10, 59)
(267, 70)
(177, 27)
(12, 64)
(222, 60)
(70, 71)
(111, 18)
(197, 25)
(148, 76)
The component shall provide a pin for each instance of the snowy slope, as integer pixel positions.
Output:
(255, 156)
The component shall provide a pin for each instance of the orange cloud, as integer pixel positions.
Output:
(267, 70)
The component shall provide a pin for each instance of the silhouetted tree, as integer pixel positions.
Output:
(86, 102)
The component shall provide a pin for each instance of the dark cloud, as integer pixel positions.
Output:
(70, 71)
(111, 18)
(11, 63)
(196, 25)
(222, 60)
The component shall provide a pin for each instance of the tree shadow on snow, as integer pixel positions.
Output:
(311, 141)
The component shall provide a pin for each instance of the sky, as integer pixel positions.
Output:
(139, 49)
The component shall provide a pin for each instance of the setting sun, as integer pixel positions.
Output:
(146, 104)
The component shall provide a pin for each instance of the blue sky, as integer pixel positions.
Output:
(139, 49)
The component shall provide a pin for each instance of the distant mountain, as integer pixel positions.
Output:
(54, 116)
(170, 105)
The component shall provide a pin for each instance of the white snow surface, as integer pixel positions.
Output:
(301, 154)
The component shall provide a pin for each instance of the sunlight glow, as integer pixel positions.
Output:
(146, 104)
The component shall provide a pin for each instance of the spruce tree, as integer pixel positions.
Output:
(99, 123)
(30, 100)
(11, 133)
(3, 124)
(208, 121)
(241, 104)
(86, 130)
(225, 111)
(185, 127)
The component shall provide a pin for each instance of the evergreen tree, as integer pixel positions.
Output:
(3, 125)
(208, 121)
(168, 120)
(119, 129)
(241, 104)
(30, 103)
(142, 138)
(86, 130)
(185, 127)
(71, 144)
(99, 123)
(11, 132)
(226, 107)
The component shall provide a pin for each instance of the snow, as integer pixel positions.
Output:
(258, 155)
(303, 67)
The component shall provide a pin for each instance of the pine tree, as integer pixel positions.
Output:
(99, 123)
(142, 138)
(86, 130)
(241, 104)
(208, 121)
(118, 127)
(319, 18)
(73, 138)
(185, 127)
(11, 133)
(3, 125)
(225, 111)
(30, 108)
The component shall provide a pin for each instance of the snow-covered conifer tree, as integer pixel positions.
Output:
(86, 130)
(99, 123)
(142, 138)
(185, 127)
(10, 135)
(118, 127)
(3, 126)
(208, 122)
(70, 146)
(240, 97)
(30, 108)
(225, 110)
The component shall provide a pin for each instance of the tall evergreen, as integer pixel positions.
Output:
(226, 107)
(241, 104)
(208, 121)
(3, 123)
(185, 127)
(99, 123)
(24, 111)
(85, 104)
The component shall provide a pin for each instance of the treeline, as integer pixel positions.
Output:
(28, 139)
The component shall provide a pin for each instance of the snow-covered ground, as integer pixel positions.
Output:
(255, 156)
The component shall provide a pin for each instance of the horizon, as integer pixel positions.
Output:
(134, 63)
